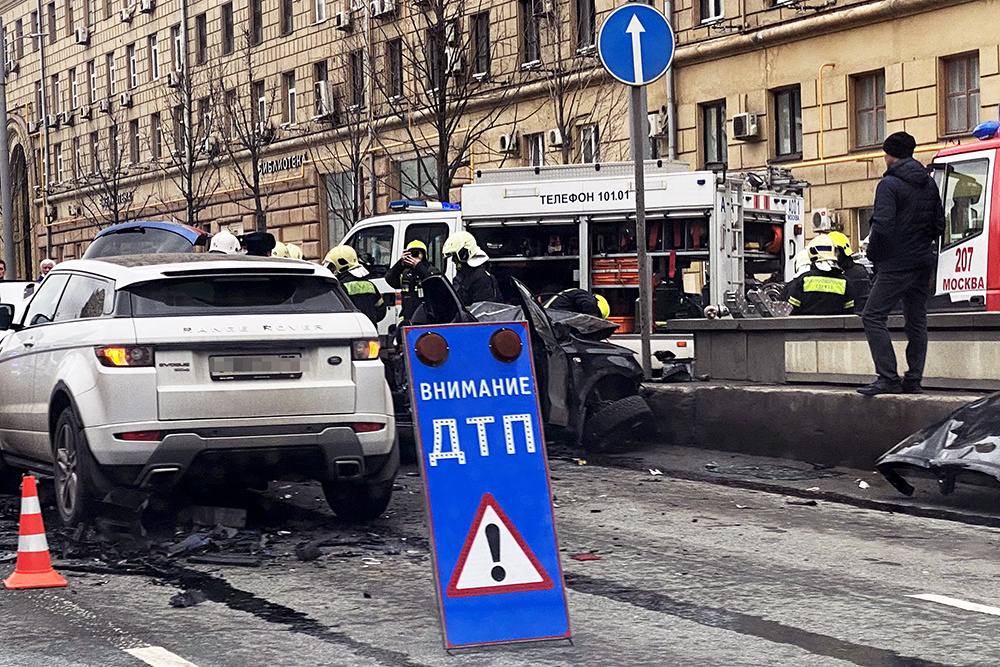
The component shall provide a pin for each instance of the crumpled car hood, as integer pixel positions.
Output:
(967, 440)
(591, 327)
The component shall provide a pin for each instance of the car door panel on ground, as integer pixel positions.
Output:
(18, 358)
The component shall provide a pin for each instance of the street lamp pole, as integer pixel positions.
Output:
(6, 205)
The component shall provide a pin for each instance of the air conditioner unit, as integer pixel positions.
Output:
(66, 118)
(173, 79)
(125, 99)
(388, 6)
(12, 66)
(655, 125)
(510, 143)
(543, 8)
(104, 106)
(146, 6)
(343, 21)
(451, 34)
(125, 15)
(84, 112)
(375, 7)
(210, 145)
(554, 139)
(266, 131)
(73, 210)
(51, 212)
(34, 126)
(746, 126)
(82, 35)
(52, 120)
(823, 219)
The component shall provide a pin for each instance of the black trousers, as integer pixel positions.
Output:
(889, 288)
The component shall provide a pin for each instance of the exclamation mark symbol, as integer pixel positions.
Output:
(493, 537)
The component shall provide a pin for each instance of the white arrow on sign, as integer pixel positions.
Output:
(635, 29)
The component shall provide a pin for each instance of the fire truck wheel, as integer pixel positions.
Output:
(624, 419)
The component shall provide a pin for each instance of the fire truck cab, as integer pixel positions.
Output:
(968, 270)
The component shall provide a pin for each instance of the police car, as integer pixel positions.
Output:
(147, 371)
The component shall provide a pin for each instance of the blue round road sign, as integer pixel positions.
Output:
(636, 44)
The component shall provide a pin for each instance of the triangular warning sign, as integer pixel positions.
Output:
(495, 558)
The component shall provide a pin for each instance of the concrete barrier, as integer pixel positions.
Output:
(832, 426)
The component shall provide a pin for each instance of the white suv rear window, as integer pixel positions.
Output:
(235, 295)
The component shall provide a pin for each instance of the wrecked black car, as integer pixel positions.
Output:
(963, 445)
(590, 388)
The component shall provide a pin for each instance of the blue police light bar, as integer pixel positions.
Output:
(406, 204)
(986, 130)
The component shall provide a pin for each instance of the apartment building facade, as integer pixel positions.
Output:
(305, 115)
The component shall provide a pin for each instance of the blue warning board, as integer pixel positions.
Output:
(482, 456)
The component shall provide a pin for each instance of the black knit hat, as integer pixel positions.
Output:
(259, 243)
(900, 145)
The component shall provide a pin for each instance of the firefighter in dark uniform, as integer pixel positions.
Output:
(577, 300)
(343, 261)
(407, 274)
(859, 282)
(823, 289)
(473, 281)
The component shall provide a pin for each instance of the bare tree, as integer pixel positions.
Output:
(108, 185)
(246, 131)
(454, 97)
(192, 161)
(573, 76)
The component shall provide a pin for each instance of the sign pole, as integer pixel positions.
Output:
(6, 207)
(645, 288)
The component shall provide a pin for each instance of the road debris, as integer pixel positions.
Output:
(188, 598)
(655, 472)
(308, 551)
(862, 484)
(586, 556)
(803, 503)
(226, 559)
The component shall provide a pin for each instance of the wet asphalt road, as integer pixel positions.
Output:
(690, 573)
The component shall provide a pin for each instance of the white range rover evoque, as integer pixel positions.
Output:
(148, 370)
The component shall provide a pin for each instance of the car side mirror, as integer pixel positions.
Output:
(6, 316)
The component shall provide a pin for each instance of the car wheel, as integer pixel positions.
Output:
(72, 465)
(627, 417)
(358, 502)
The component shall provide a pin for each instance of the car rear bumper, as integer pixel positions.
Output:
(221, 453)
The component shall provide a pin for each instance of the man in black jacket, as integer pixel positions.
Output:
(473, 281)
(907, 221)
(407, 274)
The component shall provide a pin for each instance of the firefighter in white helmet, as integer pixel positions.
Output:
(224, 243)
(823, 289)
(473, 280)
(343, 261)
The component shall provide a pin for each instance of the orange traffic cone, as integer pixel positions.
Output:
(34, 566)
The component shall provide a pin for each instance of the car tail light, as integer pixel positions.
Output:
(363, 350)
(367, 427)
(140, 436)
(121, 356)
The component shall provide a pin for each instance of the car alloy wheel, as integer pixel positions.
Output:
(67, 473)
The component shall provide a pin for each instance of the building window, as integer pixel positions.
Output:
(57, 149)
(19, 38)
(109, 9)
(287, 17)
(111, 76)
(204, 118)
(340, 198)
(201, 39)
(155, 135)
(260, 102)
(234, 115)
(133, 66)
(228, 33)
(51, 12)
(93, 153)
(961, 108)
(356, 73)
(92, 81)
(55, 93)
(74, 90)
(586, 19)
(178, 119)
(653, 131)
(288, 88)
(68, 15)
(864, 223)
(712, 10)
(154, 57)
(35, 28)
(114, 157)
(536, 149)
(321, 91)
(256, 22)
(89, 13)
(479, 38)
(76, 165)
(177, 48)
(869, 109)
(531, 43)
(39, 102)
(320, 10)
(788, 122)
(590, 146)
(416, 178)
(394, 63)
(133, 141)
(713, 133)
